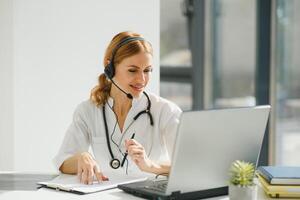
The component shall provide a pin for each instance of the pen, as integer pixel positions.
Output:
(126, 153)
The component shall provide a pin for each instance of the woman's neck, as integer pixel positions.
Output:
(122, 103)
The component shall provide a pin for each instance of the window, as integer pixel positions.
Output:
(233, 53)
(175, 56)
(288, 82)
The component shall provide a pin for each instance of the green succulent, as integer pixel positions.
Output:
(242, 173)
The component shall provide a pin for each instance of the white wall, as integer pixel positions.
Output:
(6, 85)
(58, 47)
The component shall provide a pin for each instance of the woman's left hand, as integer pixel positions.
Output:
(138, 154)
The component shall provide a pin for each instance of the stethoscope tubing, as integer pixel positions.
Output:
(115, 163)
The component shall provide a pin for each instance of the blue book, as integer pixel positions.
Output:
(280, 175)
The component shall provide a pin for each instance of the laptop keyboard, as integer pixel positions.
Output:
(157, 185)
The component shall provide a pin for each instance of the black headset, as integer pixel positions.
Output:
(109, 69)
(110, 73)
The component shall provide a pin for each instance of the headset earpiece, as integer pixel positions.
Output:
(109, 70)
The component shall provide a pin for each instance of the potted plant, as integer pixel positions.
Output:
(241, 185)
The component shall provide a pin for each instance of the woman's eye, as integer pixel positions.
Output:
(145, 71)
(148, 70)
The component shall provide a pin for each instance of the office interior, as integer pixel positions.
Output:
(235, 54)
(209, 54)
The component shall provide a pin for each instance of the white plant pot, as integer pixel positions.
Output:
(242, 193)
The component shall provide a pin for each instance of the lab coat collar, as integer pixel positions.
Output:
(135, 101)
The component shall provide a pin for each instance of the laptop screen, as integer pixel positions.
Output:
(209, 141)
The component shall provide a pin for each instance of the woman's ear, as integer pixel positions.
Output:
(107, 62)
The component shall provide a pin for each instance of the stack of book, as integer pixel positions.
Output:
(280, 181)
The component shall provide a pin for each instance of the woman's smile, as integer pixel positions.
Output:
(138, 88)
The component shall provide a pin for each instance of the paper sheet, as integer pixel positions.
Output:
(71, 183)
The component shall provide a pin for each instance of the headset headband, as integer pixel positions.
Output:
(122, 43)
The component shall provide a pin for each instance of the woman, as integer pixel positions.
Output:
(128, 129)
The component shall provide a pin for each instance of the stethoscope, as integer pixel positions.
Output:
(115, 163)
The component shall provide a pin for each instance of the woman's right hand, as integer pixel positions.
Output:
(87, 168)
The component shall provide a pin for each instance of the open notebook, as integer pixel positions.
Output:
(70, 183)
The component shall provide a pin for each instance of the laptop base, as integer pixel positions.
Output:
(144, 193)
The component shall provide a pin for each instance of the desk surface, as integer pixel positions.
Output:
(14, 187)
(46, 194)
(22, 181)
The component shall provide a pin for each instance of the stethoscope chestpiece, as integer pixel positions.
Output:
(115, 163)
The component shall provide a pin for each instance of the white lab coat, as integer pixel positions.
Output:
(87, 130)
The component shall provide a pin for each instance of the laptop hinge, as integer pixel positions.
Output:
(175, 195)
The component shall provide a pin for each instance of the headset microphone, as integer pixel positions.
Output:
(129, 96)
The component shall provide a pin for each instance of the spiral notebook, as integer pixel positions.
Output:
(71, 183)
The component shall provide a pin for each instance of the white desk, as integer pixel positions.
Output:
(45, 194)
(114, 194)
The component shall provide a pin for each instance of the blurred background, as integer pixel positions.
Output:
(246, 52)
(51, 54)
(209, 54)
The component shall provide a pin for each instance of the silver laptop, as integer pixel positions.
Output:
(207, 143)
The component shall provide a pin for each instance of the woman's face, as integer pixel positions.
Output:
(133, 73)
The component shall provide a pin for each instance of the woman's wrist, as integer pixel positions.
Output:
(82, 154)
(156, 168)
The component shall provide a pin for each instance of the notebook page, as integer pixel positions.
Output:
(72, 183)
